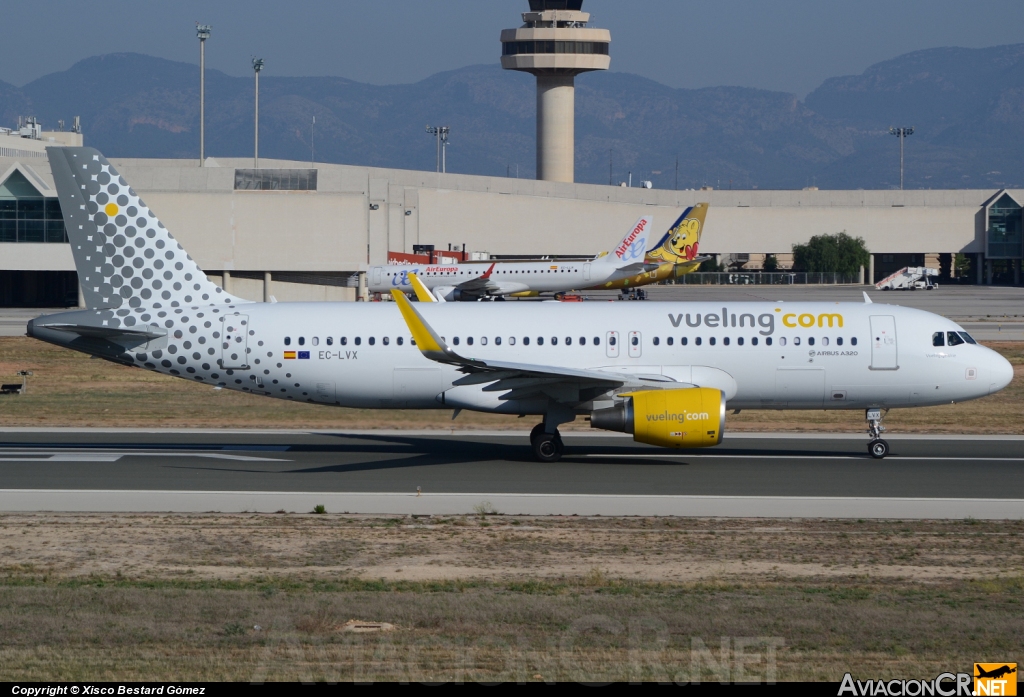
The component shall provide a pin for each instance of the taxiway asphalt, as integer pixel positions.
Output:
(409, 472)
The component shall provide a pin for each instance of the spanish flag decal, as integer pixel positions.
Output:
(289, 355)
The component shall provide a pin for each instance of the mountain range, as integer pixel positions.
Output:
(966, 105)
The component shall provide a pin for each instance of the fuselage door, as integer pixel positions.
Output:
(611, 343)
(636, 344)
(377, 275)
(586, 272)
(235, 342)
(884, 354)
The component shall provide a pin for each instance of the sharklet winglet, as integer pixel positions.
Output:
(430, 344)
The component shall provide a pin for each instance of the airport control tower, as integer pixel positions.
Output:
(555, 45)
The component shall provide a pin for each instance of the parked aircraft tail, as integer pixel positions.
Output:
(681, 244)
(126, 258)
(633, 247)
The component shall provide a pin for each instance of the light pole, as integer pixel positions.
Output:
(257, 66)
(441, 133)
(203, 32)
(902, 134)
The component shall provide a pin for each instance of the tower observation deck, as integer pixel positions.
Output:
(556, 45)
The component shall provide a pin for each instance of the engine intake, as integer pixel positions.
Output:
(688, 418)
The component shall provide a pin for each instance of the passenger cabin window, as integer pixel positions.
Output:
(400, 340)
(359, 341)
(796, 341)
(597, 341)
(853, 341)
(511, 341)
(954, 339)
(782, 341)
(287, 341)
(526, 341)
(387, 341)
(373, 341)
(455, 341)
(839, 341)
(657, 341)
(824, 341)
(343, 341)
(740, 341)
(726, 341)
(767, 341)
(713, 341)
(939, 339)
(315, 341)
(540, 341)
(810, 341)
(330, 341)
(302, 341)
(497, 341)
(670, 341)
(698, 341)
(754, 341)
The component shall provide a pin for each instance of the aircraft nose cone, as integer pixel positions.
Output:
(1002, 373)
(30, 328)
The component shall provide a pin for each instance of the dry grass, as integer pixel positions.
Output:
(496, 598)
(70, 389)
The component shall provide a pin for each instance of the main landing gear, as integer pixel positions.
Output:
(547, 447)
(877, 448)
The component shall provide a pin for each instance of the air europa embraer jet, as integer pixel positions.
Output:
(456, 282)
(664, 372)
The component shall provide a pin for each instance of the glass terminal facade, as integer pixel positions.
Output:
(1005, 229)
(275, 180)
(26, 215)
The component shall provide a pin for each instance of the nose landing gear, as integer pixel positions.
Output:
(877, 448)
(547, 447)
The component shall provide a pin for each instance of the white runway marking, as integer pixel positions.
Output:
(93, 456)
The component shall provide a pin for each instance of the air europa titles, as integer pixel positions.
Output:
(628, 242)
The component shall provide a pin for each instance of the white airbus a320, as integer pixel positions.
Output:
(664, 372)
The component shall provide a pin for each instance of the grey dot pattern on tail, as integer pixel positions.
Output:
(134, 262)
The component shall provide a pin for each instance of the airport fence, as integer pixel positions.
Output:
(742, 278)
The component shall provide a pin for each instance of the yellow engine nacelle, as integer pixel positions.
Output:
(687, 418)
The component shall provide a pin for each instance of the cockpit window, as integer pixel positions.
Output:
(939, 339)
(953, 339)
(968, 338)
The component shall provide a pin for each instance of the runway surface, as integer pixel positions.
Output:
(772, 475)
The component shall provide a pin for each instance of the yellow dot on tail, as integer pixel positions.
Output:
(111, 210)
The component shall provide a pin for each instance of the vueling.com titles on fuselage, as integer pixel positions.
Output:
(765, 321)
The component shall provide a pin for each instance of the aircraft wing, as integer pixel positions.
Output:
(521, 378)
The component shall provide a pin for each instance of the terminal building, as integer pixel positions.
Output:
(288, 231)
(297, 233)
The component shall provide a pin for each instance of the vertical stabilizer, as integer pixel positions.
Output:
(125, 257)
(633, 247)
(681, 244)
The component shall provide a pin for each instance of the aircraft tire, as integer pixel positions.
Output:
(548, 447)
(878, 449)
(536, 433)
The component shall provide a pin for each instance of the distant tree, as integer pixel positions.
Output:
(962, 265)
(837, 253)
(771, 263)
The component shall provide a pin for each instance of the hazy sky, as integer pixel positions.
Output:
(789, 45)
